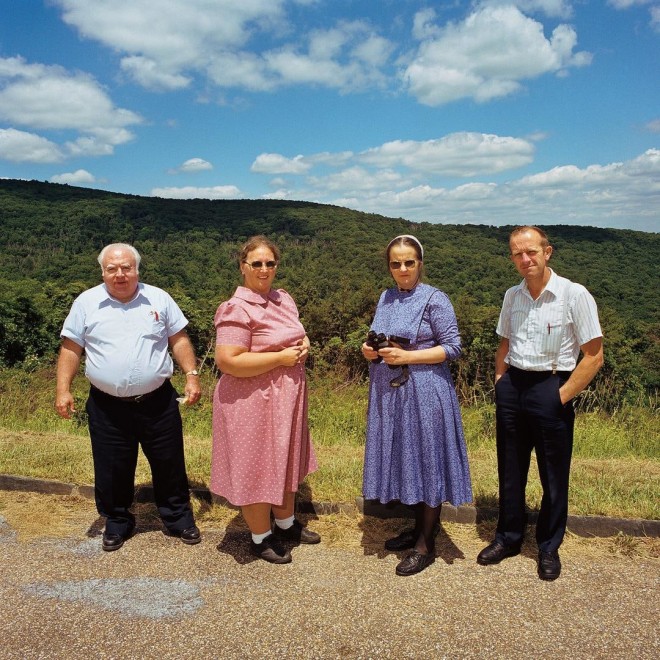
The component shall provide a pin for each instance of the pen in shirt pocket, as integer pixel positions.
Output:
(548, 328)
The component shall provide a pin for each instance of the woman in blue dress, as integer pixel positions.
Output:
(415, 449)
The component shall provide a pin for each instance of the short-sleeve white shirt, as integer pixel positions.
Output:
(537, 339)
(125, 344)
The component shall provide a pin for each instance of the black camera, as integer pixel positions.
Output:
(378, 340)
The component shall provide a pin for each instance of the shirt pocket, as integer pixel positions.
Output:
(551, 335)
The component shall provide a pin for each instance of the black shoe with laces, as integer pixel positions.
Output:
(549, 565)
(297, 533)
(271, 550)
(496, 552)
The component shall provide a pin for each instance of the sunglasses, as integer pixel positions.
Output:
(408, 263)
(258, 265)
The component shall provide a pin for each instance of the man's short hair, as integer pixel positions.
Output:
(120, 246)
(545, 241)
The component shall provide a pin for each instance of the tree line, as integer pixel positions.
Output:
(333, 264)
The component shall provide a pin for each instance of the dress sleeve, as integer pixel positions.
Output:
(233, 325)
(444, 324)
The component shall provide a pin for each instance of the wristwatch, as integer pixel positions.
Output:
(194, 372)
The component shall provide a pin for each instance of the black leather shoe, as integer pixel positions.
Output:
(414, 563)
(297, 533)
(404, 541)
(191, 536)
(496, 552)
(271, 550)
(114, 541)
(549, 565)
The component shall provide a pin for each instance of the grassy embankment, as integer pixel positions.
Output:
(616, 465)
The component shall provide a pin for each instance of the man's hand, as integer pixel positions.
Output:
(64, 404)
(193, 391)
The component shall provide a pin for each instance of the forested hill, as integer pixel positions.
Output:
(332, 262)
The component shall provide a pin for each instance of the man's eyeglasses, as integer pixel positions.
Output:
(258, 265)
(408, 263)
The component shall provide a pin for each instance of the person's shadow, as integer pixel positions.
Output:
(236, 540)
(376, 529)
(487, 509)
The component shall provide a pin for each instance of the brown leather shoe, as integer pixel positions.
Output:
(271, 550)
(297, 533)
(496, 552)
(414, 563)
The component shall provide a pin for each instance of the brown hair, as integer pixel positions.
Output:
(407, 241)
(258, 241)
(545, 241)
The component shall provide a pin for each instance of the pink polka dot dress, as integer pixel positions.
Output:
(261, 445)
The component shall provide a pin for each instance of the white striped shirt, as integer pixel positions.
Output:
(534, 327)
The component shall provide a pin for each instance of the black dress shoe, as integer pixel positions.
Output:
(297, 533)
(414, 563)
(191, 536)
(271, 550)
(114, 541)
(404, 541)
(496, 552)
(549, 565)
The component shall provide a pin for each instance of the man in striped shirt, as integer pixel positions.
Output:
(545, 322)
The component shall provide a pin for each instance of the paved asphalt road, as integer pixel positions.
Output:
(62, 597)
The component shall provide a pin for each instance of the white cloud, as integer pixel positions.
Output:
(653, 126)
(43, 97)
(486, 56)
(193, 165)
(21, 147)
(190, 192)
(551, 8)
(278, 164)
(165, 45)
(625, 194)
(73, 178)
(458, 154)
(626, 4)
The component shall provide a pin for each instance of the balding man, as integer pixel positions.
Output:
(126, 329)
(545, 323)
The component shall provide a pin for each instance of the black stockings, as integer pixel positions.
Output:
(426, 526)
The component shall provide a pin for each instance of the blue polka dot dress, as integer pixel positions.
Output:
(415, 448)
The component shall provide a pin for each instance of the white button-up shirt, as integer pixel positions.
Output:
(126, 344)
(541, 333)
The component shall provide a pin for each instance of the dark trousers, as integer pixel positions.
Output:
(117, 428)
(530, 416)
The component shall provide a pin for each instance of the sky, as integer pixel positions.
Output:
(493, 112)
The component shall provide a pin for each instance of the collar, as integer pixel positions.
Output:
(553, 286)
(255, 298)
(138, 293)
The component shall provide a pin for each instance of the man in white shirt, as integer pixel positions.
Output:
(545, 322)
(125, 329)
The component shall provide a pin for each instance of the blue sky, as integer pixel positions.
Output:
(492, 112)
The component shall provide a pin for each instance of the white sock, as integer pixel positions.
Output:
(285, 523)
(258, 538)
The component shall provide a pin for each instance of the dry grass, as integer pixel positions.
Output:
(33, 516)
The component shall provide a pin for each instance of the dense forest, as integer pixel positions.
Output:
(332, 263)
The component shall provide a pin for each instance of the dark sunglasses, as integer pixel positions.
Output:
(408, 263)
(258, 265)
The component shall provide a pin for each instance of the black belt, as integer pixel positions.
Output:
(138, 398)
(540, 373)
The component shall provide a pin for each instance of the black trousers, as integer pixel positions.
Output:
(117, 428)
(529, 416)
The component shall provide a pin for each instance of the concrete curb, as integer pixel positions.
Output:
(466, 514)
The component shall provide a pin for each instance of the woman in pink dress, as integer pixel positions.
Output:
(261, 446)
